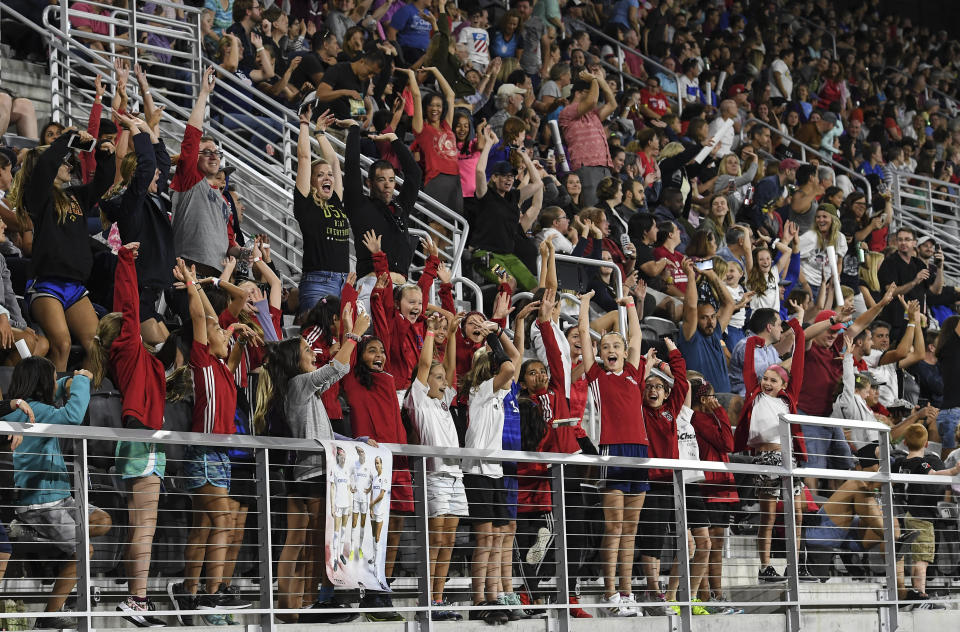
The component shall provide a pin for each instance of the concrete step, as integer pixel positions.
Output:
(30, 81)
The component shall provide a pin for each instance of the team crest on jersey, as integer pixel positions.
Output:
(666, 414)
(632, 381)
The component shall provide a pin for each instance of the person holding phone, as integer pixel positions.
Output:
(62, 260)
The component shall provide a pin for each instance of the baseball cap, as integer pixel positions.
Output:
(789, 163)
(867, 455)
(826, 207)
(503, 168)
(829, 117)
(925, 239)
(866, 378)
(735, 89)
(509, 89)
(827, 314)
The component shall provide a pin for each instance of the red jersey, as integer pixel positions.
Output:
(619, 400)
(656, 102)
(553, 402)
(661, 423)
(438, 151)
(674, 267)
(138, 374)
(320, 343)
(214, 392)
(715, 440)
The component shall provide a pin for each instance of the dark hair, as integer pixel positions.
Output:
(33, 379)
(948, 334)
(761, 318)
(459, 113)
(880, 324)
(378, 165)
(360, 370)
(532, 425)
(663, 231)
(639, 224)
(281, 364)
(240, 8)
(607, 188)
(375, 56)
(322, 314)
(804, 173)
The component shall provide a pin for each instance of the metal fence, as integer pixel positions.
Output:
(931, 207)
(565, 544)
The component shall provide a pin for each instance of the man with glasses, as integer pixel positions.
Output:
(653, 102)
(911, 276)
(200, 213)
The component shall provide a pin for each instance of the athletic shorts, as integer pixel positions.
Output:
(361, 506)
(5, 546)
(339, 511)
(771, 486)
(697, 515)
(924, 547)
(629, 480)
(136, 459)
(149, 299)
(401, 492)
(243, 482)
(655, 519)
(720, 514)
(487, 499)
(203, 465)
(512, 487)
(446, 496)
(56, 522)
(66, 291)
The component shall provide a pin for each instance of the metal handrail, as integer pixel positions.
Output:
(595, 32)
(600, 263)
(916, 198)
(804, 148)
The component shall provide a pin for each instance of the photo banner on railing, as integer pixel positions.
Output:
(358, 513)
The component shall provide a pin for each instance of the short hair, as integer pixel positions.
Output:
(513, 126)
(826, 173)
(375, 56)
(734, 234)
(880, 324)
(663, 231)
(240, 8)
(378, 165)
(915, 437)
(761, 318)
(558, 70)
(273, 13)
(798, 295)
(640, 224)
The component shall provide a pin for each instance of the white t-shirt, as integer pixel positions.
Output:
(887, 373)
(687, 447)
(341, 486)
(536, 340)
(689, 89)
(360, 478)
(813, 260)
(485, 431)
(785, 78)
(770, 296)
(739, 318)
(477, 42)
(379, 484)
(434, 425)
(765, 419)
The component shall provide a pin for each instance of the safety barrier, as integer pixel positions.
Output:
(930, 207)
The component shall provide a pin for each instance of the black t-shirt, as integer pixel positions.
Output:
(949, 362)
(326, 233)
(341, 77)
(645, 255)
(895, 270)
(921, 498)
(248, 61)
(495, 226)
(310, 64)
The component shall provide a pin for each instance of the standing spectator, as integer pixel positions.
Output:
(582, 126)
(948, 357)
(765, 324)
(247, 16)
(477, 40)
(813, 247)
(701, 342)
(687, 85)
(410, 29)
(533, 30)
(506, 39)
(200, 214)
(222, 14)
(781, 81)
(344, 87)
(910, 275)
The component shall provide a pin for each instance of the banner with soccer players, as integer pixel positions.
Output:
(358, 513)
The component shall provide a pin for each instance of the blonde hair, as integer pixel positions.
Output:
(107, 331)
(480, 371)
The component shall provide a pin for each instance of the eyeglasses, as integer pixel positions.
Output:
(654, 387)
(211, 153)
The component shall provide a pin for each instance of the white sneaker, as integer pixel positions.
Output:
(630, 603)
(613, 606)
(539, 549)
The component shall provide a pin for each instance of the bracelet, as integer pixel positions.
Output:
(260, 49)
(630, 304)
(256, 259)
(189, 283)
(911, 324)
(352, 336)
(216, 282)
(431, 333)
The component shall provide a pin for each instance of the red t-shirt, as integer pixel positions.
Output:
(656, 102)
(674, 268)
(823, 369)
(438, 151)
(620, 400)
(214, 393)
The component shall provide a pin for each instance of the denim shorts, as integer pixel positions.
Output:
(315, 285)
(204, 465)
(66, 291)
(947, 422)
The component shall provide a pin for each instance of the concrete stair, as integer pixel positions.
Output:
(31, 81)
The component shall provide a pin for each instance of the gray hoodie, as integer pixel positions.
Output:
(307, 416)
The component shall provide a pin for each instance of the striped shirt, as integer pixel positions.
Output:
(619, 398)
(214, 392)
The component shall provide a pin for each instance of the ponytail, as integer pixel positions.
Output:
(107, 331)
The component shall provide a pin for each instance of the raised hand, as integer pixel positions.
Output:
(501, 306)
(372, 241)
(429, 247)
(209, 81)
(527, 309)
(133, 247)
(98, 88)
(443, 273)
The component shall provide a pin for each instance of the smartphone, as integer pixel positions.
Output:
(706, 264)
(550, 154)
(76, 143)
(570, 421)
(499, 270)
(211, 78)
(307, 102)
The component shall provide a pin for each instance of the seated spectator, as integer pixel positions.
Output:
(19, 112)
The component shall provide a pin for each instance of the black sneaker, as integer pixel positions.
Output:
(769, 575)
(344, 616)
(806, 575)
(181, 600)
(490, 617)
(228, 598)
(207, 602)
(380, 601)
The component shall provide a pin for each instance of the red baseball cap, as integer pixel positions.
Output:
(736, 89)
(827, 314)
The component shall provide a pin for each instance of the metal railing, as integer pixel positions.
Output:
(563, 473)
(930, 207)
(621, 49)
(266, 182)
(819, 27)
(804, 149)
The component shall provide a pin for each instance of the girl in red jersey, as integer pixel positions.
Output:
(375, 413)
(118, 349)
(616, 391)
(759, 431)
(207, 469)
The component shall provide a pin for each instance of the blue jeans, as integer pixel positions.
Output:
(947, 422)
(315, 285)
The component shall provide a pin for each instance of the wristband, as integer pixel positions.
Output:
(431, 333)
(216, 282)
(911, 324)
(260, 49)
(256, 259)
(352, 336)
(630, 304)
(189, 283)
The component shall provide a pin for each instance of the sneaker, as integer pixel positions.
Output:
(381, 601)
(56, 623)
(344, 616)
(660, 609)
(578, 613)
(630, 602)
(676, 609)
(770, 575)
(454, 615)
(136, 611)
(539, 549)
(612, 606)
(697, 608)
(207, 602)
(806, 575)
(181, 600)
(724, 608)
(514, 614)
(228, 598)
(439, 614)
(214, 618)
(490, 617)
(154, 621)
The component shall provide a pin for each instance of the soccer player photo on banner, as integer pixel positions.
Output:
(358, 513)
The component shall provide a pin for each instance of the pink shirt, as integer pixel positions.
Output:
(583, 136)
(468, 171)
(97, 26)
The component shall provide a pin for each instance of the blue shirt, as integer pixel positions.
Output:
(621, 12)
(412, 30)
(704, 354)
(511, 426)
(762, 358)
(499, 47)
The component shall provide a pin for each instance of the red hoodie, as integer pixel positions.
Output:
(661, 423)
(139, 376)
(715, 440)
(401, 338)
(788, 395)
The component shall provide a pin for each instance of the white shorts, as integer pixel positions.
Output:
(446, 496)
(341, 511)
(361, 506)
(378, 512)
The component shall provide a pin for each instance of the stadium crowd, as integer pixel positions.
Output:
(726, 243)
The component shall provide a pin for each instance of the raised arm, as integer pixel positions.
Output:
(426, 351)
(304, 162)
(589, 102)
(207, 84)
(327, 152)
(583, 324)
(864, 320)
(634, 334)
(481, 170)
(689, 325)
(198, 314)
(448, 94)
(450, 357)
(416, 122)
